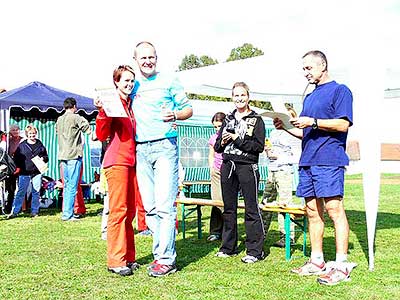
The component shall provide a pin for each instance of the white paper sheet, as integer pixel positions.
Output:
(40, 164)
(111, 102)
(284, 117)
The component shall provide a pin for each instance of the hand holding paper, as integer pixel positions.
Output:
(109, 100)
(40, 164)
(282, 116)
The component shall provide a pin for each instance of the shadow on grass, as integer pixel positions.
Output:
(193, 249)
(358, 225)
(27, 213)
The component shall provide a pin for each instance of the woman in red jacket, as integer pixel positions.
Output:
(119, 164)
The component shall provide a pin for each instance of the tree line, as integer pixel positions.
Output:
(193, 61)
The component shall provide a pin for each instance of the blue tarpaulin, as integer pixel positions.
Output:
(43, 97)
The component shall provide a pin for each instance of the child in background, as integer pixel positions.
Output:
(214, 162)
(282, 152)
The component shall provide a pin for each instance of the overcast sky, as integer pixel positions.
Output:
(75, 45)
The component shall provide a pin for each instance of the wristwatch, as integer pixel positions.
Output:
(315, 124)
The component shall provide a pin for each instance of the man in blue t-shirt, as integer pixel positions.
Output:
(323, 125)
(158, 101)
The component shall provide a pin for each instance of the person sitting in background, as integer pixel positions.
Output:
(214, 163)
(280, 148)
(26, 152)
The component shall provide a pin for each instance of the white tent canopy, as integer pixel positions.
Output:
(258, 72)
(267, 77)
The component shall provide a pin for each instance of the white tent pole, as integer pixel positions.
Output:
(367, 75)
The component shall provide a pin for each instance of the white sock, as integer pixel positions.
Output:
(340, 257)
(317, 257)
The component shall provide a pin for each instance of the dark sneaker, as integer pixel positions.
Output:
(213, 237)
(160, 270)
(122, 271)
(310, 268)
(133, 266)
(78, 216)
(282, 243)
(152, 265)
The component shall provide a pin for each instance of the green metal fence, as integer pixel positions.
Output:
(193, 154)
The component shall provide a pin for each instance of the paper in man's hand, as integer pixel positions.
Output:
(282, 116)
(111, 103)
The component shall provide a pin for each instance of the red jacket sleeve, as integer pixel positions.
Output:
(103, 126)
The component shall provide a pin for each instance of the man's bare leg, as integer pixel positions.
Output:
(335, 209)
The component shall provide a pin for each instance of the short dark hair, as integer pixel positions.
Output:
(319, 54)
(118, 72)
(218, 117)
(69, 103)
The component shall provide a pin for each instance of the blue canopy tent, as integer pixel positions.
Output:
(41, 105)
(43, 97)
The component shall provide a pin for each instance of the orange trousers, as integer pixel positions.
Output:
(141, 213)
(120, 235)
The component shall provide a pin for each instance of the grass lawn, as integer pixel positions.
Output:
(44, 258)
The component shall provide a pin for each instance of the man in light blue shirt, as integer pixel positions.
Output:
(158, 101)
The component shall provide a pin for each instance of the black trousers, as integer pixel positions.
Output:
(10, 187)
(235, 176)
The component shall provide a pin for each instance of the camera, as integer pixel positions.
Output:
(230, 127)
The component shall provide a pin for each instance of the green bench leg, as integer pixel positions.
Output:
(287, 236)
(185, 214)
(304, 235)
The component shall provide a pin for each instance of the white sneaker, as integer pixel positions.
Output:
(224, 255)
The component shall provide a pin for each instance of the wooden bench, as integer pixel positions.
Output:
(296, 215)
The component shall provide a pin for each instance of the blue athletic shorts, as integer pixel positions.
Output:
(320, 181)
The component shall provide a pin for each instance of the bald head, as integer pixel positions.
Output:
(146, 58)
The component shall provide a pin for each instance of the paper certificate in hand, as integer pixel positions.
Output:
(111, 103)
(40, 164)
(284, 118)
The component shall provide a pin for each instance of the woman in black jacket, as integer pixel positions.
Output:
(241, 140)
(29, 149)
